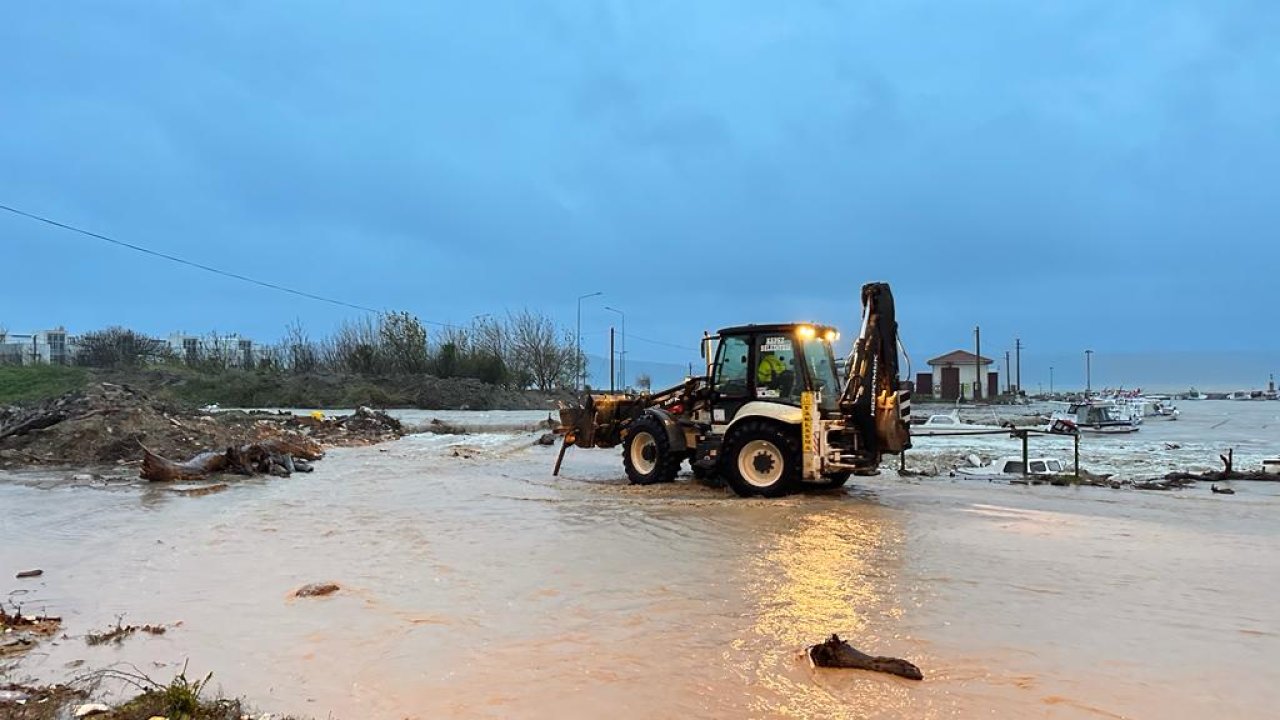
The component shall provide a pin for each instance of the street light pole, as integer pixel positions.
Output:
(1050, 379)
(622, 355)
(1088, 372)
(582, 368)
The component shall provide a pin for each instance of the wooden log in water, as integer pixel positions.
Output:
(836, 653)
(274, 457)
(159, 469)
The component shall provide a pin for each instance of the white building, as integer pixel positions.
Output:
(956, 374)
(236, 350)
(47, 347)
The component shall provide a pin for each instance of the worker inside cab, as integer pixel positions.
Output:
(775, 376)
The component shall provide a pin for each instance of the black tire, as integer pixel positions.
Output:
(709, 477)
(647, 455)
(761, 458)
(833, 481)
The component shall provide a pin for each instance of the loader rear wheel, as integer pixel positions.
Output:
(762, 459)
(646, 454)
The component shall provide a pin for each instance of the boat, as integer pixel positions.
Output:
(1160, 406)
(1012, 466)
(1095, 417)
(951, 424)
(1271, 466)
(1195, 395)
(1240, 395)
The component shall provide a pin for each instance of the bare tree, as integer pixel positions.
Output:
(545, 359)
(300, 352)
(404, 342)
(119, 347)
(644, 382)
(355, 347)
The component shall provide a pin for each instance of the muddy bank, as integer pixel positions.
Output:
(109, 424)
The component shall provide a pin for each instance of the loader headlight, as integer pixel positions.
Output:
(806, 332)
(832, 336)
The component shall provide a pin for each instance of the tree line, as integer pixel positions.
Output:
(522, 349)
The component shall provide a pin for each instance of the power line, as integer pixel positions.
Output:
(190, 263)
(659, 342)
(630, 336)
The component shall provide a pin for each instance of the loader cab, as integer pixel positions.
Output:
(772, 364)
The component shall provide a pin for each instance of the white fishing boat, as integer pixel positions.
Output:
(950, 424)
(1271, 466)
(1160, 406)
(1012, 466)
(1094, 417)
(1195, 395)
(1240, 395)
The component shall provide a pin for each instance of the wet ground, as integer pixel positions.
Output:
(476, 585)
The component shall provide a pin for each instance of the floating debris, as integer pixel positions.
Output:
(317, 590)
(119, 633)
(836, 653)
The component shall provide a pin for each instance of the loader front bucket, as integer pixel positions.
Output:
(598, 422)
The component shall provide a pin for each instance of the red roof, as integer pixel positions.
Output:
(958, 357)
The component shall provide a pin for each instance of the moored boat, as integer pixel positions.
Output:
(1095, 417)
(950, 424)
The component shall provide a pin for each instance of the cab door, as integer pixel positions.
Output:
(731, 383)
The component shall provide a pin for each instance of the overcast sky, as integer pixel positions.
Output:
(1080, 174)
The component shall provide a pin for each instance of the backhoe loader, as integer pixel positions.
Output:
(771, 415)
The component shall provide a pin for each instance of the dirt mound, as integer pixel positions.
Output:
(111, 423)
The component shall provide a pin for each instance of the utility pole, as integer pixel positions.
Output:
(977, 363)
(1088, 373)
(1050, 379)
(622, 356)
(1008, 377)
(582, 366)
(611, 377)
(1017, 344)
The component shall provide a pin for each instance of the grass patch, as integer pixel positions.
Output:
(22, 383)
(179, 700)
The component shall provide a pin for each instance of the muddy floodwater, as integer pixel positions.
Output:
(476, 585)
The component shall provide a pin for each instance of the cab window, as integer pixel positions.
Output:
(776, 377)
(731, 367)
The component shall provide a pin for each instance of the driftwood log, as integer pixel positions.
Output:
(836, 653)
(1228, 472)
(280, 457)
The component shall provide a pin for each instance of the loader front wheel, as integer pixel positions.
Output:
(647, 455)
(762, 459)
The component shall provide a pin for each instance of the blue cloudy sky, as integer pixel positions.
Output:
(1084, 173)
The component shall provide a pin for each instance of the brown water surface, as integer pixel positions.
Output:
(483, 587)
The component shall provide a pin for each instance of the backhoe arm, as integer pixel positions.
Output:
(871, 401)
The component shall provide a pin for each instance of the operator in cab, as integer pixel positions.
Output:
(772, 373)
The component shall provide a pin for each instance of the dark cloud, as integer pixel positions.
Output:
(1076, 173)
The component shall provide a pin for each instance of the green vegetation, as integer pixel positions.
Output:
(181, 699)
(390, 360)
(36, 382)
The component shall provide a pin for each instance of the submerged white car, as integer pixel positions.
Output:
(1012, 466)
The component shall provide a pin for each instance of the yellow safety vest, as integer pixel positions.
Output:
(769, 368)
